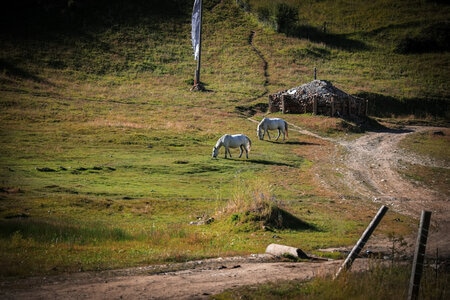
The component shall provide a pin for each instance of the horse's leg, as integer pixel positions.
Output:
(267, 131)
(246, 152)
(229, 152)
(279, 132)
(226, 150)
(241, 150)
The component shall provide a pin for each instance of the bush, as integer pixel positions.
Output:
(286, 18)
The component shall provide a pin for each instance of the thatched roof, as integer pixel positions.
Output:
(323, 90)
(319, 97)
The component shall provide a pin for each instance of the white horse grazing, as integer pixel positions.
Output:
(272, 124)
(240, 141)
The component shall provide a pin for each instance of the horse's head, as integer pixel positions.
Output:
(260, 133)
(215, 152)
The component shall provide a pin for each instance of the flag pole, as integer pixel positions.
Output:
(197, 83)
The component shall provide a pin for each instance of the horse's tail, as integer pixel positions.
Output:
(286, 128)
(249, 146)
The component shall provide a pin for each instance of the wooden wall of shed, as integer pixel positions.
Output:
(349, 106)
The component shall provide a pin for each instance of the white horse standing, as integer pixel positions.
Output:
(272, 124)
(240, 141)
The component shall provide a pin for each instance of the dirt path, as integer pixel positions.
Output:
(206, 278)
(368, 167)
(371, 164)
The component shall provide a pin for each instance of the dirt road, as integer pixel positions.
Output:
(368, 166)
(199, 280)
(372, 162)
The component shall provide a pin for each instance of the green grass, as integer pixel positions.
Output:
(106, 153)
(432, 145)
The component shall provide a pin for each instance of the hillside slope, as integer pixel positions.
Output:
(105, 152)
(350, 43)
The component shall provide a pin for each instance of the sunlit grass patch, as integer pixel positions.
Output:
(431, 143)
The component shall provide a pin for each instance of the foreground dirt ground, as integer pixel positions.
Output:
(198, 281)
(370, 170)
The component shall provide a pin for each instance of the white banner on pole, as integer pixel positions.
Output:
(196, 27)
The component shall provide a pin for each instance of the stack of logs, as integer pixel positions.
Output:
(318, 97)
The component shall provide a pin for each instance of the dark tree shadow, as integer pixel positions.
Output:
(340, 41)
(384, 106)
(251, 110)
(14, 71)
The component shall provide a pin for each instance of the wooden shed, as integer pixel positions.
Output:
(319, 97)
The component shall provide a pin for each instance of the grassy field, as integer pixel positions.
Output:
(106, 153)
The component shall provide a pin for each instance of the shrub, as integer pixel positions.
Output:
(286, 18)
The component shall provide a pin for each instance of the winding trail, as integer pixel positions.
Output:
(265, 65)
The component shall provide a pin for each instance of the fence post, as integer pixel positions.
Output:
(419, 255)
(315, 105)
(333, 109)
(362, 241)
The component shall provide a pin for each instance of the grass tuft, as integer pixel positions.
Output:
(255, 208)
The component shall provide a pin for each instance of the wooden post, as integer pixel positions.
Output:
(419, 255)
(347, 109)
(270, 103)
(333, 110)
(362, 241)
(367, 108)
(283, 104)
(315, 105)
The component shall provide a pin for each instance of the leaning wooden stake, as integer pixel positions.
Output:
(362, 241)
(419, 255)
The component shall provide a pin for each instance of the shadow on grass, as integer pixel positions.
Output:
(14, 71)
(270, 162)
(270, 218)
(285, 220)
(301, 143)
(340, 41)
(25, 227)
(386, 106)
